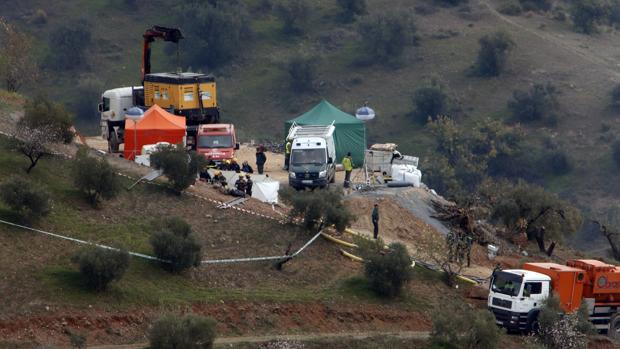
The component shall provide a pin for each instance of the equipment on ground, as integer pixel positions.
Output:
(313, 151)
(516, 295)
(192, 95)
(217, 142)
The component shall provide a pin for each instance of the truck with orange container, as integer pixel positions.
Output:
(516, 295)
(217, 142)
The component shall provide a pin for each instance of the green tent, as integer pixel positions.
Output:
(350, 134)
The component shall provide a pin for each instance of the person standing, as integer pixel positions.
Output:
(261, 159)
(248, 185)
(287, 154)
(375, 221)
(347, 163)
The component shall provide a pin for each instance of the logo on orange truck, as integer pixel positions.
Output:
(604, 283)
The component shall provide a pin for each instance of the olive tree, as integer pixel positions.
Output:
(317, 208)
(493, 53)
(179, 166)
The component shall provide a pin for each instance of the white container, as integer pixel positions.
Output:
(492, 251)
(406, 174)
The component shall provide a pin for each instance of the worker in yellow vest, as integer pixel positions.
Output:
(347, 163)
(287, 154)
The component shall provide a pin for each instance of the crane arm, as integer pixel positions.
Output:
(156, 32)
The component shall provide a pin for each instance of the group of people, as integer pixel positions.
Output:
(231, 165)
(459, 247)
(243, 185)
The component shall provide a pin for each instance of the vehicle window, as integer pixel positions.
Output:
(222, 141)
(506, 283)
(308, 156)
(106, 104)
(531, 288)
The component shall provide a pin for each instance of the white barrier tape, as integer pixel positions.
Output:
(136, 254)
(256, 259)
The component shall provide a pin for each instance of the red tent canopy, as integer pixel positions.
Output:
(157, 125)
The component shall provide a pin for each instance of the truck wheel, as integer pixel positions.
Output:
(614, 327)
(113, 143)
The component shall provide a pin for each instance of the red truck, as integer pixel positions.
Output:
(217, 142)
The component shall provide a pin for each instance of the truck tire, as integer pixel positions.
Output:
(113, 143)
(614, 327)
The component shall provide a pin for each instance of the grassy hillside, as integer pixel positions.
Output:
(255, 95)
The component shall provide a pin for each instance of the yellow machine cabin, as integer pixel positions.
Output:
(192, 95)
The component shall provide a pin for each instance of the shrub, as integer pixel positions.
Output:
(492, 54)
(614, 12)
(451, 2)
(40, 112)
(18, 65)
(180, 167)
(430, 102)
(615, 97)
(457, 325)
(175, 243)
(558, 163)
(294, 15)
(385, 36)
(301, 71)
(586, 14)
(351, 8)
(94, 177)
(67, 45)
(510, 7)
(34, 143)
(615, 152)
(217, 30)
(535, 105)
(318, 208)
(100, 266)
(563, 331)
(536, 5)
(387, 271)
(189, 332)
(24, 198)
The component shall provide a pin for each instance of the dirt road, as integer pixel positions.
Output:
(295, 338)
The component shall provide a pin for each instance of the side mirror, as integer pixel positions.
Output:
(100, 107)
(236, 146)
(330, 160)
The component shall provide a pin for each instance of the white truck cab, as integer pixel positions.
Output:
(313, 153)
(114, 103)
(516, 296)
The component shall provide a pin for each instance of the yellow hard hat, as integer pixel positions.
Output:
(234, 159)
(227, 161)
(240, 176)
(218, 173)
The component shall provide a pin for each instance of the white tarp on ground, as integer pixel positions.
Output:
(266, 191)
(406, 174)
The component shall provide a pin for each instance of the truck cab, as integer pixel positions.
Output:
(217, 142)
(515, 297)
(312, 156)
(112, 107)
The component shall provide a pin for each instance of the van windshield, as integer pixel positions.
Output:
(308, 157)
(507, 283)
(221, 141)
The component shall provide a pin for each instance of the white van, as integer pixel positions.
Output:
(312, 156)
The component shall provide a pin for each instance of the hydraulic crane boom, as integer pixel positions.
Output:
(157, 32)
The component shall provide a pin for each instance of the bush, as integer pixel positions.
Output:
(387, 271)
(301, 71)
(492, 54)
(215, 29)
(180, 167)
(67, 45)
(94, 177)
(385, 36)
(615, 97)
(563, 331)
(430, 102)
(294, 15)
(189, 332)
(18, 63)
(614, 12)
(24, 198)
(535, 105)
(318, 208)
(615, 152)
(457, 325)
(100, 266)
(451, 2)
(351, 8)
(175, 243)
(558, 163)
(40, 112)
(510, 7)
(536, 5)
(586, 14)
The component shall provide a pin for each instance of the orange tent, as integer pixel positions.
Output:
(157, 125)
